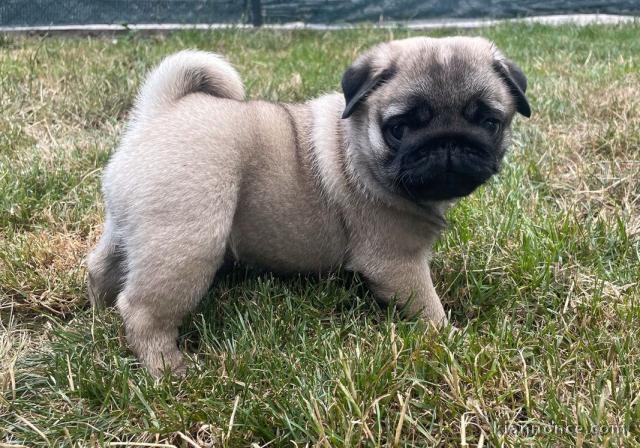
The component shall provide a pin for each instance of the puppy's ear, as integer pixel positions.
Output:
(360, 80)
(517, 83)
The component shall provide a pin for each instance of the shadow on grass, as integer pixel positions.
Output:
(239, 290)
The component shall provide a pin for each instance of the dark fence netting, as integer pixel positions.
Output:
(83, 12)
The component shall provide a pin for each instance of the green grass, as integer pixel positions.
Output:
(540, 269)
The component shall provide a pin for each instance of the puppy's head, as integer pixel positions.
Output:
(428, 119)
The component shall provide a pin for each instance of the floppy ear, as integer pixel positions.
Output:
(517, 82)
(358, 81)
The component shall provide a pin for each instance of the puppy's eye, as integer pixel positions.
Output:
(491, 124)
(396, 133)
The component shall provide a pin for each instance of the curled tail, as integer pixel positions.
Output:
(183, 73)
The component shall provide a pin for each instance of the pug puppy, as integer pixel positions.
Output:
(360, 180)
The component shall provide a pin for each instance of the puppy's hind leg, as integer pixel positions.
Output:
(106, 269)
(171, 265)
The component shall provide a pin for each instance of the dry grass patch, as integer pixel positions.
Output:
(593, 161)
(14, 343)
(45, 272)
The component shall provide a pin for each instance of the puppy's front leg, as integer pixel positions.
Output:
(409, 283)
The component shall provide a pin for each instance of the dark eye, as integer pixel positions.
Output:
(491, 124)
(395, 133)
(398, 130)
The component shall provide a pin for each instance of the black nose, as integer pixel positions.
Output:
(443, 146)
(431, 148)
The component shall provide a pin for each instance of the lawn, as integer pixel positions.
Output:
(540, 269)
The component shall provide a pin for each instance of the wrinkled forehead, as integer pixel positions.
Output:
(446, 74)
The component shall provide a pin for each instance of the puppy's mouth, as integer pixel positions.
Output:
(445, 168)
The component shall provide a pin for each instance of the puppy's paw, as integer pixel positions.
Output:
(435, 321)
(434, 324)
(158, 363)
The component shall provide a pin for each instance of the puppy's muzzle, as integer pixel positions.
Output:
(445, 166)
